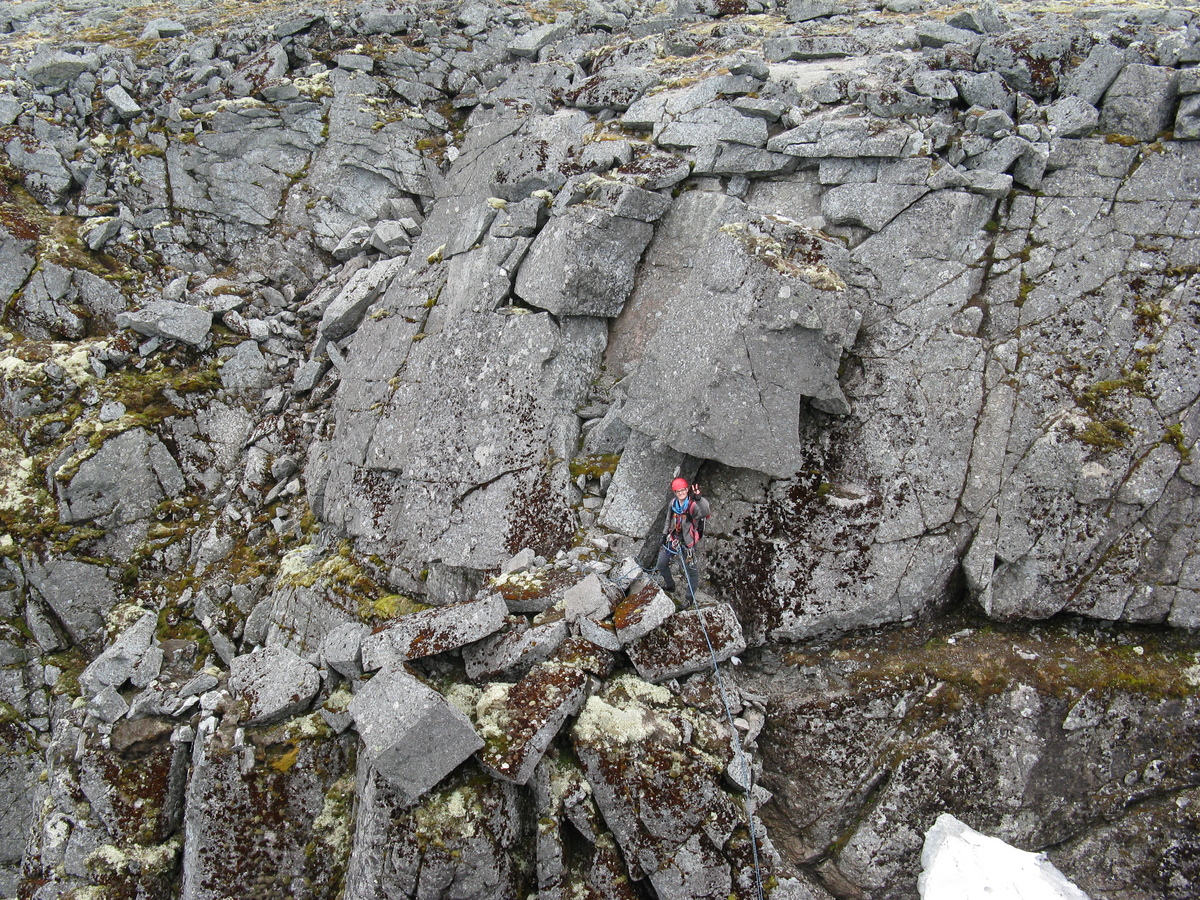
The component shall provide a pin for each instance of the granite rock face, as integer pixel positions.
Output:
(346, 355)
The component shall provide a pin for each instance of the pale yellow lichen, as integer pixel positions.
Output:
(465, 698)
(601, 723)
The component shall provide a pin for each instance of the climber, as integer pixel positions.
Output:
(682, 531)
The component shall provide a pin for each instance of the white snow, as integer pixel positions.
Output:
(959, 863)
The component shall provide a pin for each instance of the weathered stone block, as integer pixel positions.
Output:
(641, 613)
(434, 631)
(588, 599)
(275, 682)
(412, 735)
(679, 646)
(583, 263)
(169, 320)
(342, 648)
(117, 663)
(511, 654)
(1140, 101)
(519, 721)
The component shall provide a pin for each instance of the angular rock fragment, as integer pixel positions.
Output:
(412, 735)
(589, 599)
(265, 827)
(117, 663)
(518, 721)
(655, 769)
(469, 833)
(275, 683)
(535, 591)
(126, 106)
(342, 315)
(169, 320)
(601, 634)
(1091, 78)
(433, 631)
(80, 593)
(642, 612)
(342, 648)
(1140, 101)
(870, 205)
(679, 646)
(741, 400)
(583, 263)
(511, 654)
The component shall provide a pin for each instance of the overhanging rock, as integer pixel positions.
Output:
(413, 736)
(754, 333)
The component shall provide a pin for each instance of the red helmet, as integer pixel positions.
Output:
(679, 484)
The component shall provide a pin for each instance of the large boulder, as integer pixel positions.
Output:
(583, 263)
(271, 822)
(413, 737)
(756, 331)
(274, 682)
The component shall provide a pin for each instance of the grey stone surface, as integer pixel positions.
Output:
(125, 105)
(739, 400)
(510, 654)
(59, 68)
(1015, 407)
(121, 483)
(1187, 120)
(869, 205)
(116, 664)
(246, 368)
(433, 631)
(341, 648)
(588, 600)
(1029, 60)
(401, 722)
(225, 847)
(582, 263)
(678, 646)
(169, 320)
(80, 594)
(642, 612)
(520, 721)
(1072, 116)
(1140, 101)
(1091, 78)
(275, 683)
(346, 310)
(629, 739)
(1060, 736)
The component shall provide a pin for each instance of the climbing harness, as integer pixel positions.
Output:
(737, 741)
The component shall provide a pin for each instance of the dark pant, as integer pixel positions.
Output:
(690, 571)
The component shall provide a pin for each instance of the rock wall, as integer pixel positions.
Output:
(346, 353)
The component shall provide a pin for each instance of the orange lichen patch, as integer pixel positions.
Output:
(629, 611)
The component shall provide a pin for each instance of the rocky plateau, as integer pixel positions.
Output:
(348, 348)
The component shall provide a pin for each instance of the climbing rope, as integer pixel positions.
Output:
(737, 742)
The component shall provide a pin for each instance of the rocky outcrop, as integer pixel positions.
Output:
(1029, 734)
(345, 355)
